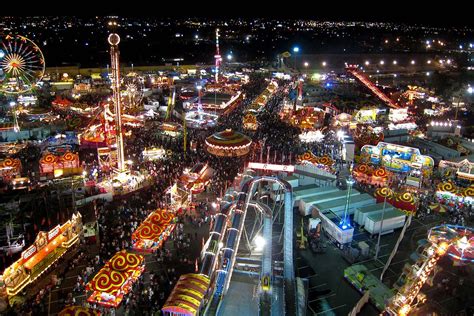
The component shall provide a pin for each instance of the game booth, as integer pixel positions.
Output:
(405, 201)
(319, 165)
(115, 280)
(55, 166)
(153, 231)
(450, 194)
(46, 250)
(10, 168)
(366, 174)
(463, 169)
(187, 296)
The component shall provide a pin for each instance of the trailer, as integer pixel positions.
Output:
(306, 204)
(330, 224)
(392, 220)
(338, 205)
(311, 190)
(360, 214)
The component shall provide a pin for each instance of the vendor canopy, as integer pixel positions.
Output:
(115, 272)
(154, 225)
(187, 295)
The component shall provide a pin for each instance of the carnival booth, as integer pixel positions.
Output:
(152, 154)
(250, 122)
(115, 279)
(57, 166)
(10, 168)
(321, 165)
(187, 296)
(366, 174)
(46, 250)
(450, 194)
(404, 200)
(154, 230)
(463, 169)
(78, 311)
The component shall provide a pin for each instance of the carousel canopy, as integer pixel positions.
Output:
(187, 295)
(228, 143)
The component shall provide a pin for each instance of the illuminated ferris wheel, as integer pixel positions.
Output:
(21, 64)
(132, 90)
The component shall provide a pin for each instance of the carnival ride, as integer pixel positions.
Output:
(228, 143)
(21, 64)
(455, 241)
(354, 70)
(21, 68)
(222, 247)
(132, 90)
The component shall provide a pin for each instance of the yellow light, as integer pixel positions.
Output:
(442, 248)
(404, 310)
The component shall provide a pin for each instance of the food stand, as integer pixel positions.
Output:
(47, 249)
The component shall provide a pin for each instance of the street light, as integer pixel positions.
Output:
(306, 64)
(344, 224)
(389, 193)
(324, 64)
(382, 62)
(259, 242)
(296, 50)
(367, 62)
(229, 57)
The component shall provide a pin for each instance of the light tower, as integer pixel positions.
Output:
(114, 40)
(217, 56)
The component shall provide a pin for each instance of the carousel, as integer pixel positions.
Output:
(228, 143)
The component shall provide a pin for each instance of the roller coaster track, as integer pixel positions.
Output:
(227, 257)
(371, 86)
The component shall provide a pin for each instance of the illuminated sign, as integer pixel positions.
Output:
(272, 167)
(28, 253)
(53, 233)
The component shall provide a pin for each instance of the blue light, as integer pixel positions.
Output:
(296, 49)
(2, 53)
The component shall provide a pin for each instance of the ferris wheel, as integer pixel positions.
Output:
(21, 64)
(132, 90)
